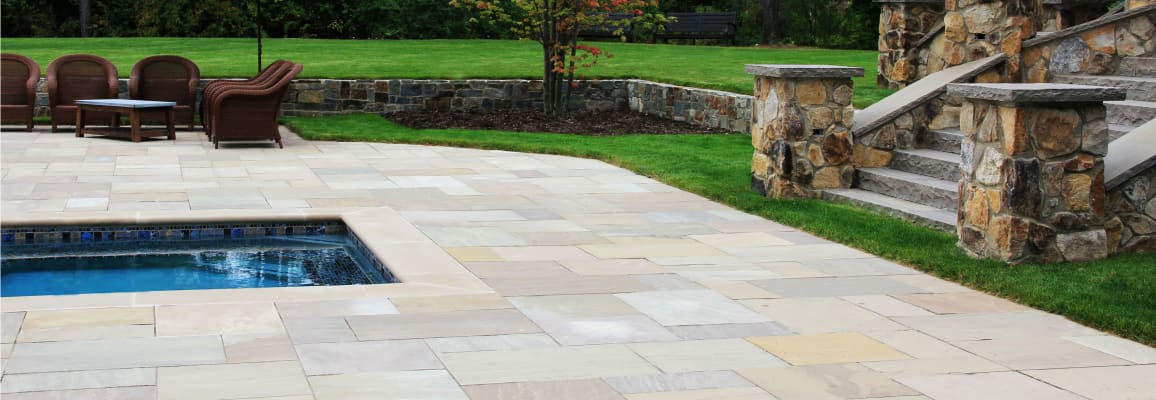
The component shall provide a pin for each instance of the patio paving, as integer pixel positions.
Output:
(524, 277)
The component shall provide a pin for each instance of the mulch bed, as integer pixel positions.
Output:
(594, 124)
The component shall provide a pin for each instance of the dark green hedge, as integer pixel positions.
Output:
(847, 24)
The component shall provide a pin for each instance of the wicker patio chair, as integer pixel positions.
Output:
(77, 77)
(247, 114)
(166, 78)
(18, 78)
(267, 77)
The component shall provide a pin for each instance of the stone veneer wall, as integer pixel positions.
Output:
(308, 97)
(1096, 50)
(904, 26)
(1132, 208)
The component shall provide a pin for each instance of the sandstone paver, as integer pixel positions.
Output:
(525, 275)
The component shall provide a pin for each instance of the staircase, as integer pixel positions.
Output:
(1137, 75)
(922, 184)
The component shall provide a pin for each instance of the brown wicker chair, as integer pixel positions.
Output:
(77, 77)
(166, 78)
(247, 114)
(267, 77)
(19, 76)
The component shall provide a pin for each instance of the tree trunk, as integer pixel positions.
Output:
(768, 20)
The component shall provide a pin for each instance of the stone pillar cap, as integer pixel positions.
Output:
(803, 71)
(1035, 92)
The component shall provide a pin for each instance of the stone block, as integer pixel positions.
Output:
(1077, 192)
(1014, 133)
(1021, 190)
(1054, 132)
(976, 207)
(870, 157)
(1010, 236)
(811, 91)
(837, 146)
(989, 169)
(760, 165)
(1082, 246)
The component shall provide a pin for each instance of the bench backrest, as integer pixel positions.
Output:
(702, 22)
(612, 23)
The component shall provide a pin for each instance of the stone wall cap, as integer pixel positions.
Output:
(1035, 92)
(803, 71)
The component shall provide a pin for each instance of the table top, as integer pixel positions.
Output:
(126, 103)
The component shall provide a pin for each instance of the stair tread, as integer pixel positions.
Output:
(935, 183)
(932, 154)
(1133, 103)
(935, 217)
(1139, 79)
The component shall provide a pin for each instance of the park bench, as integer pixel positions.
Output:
(610, 28)
(720, 25)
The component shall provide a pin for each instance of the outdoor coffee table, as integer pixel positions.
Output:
(132, 108)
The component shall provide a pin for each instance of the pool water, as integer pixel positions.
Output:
(218, 264)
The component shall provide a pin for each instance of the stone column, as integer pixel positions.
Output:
(1133, 4)
(801, 129)
(902, 25)
(1033, 171)
(979, 29)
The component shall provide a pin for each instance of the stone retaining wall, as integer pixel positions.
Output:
(1095, 51)
(1132, 208)
(311, 97)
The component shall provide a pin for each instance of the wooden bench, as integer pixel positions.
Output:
(610, 27)
(721, 25)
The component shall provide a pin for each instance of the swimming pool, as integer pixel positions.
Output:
(120, 259)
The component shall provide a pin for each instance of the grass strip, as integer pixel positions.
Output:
(1117, 294)
(712, 67)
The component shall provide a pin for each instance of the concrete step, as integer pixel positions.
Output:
(945, 140)
(1137, 66)
(920, 214)
(1130, 112)
(919, 189)
(926, 162)
(1142, 88)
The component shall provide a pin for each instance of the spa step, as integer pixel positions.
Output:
(1130, 112)
(920, 214)
(926, 162)
(937, 193)
(1141, 88)
(945, 140)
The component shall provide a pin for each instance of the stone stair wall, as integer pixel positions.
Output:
(1093, 48)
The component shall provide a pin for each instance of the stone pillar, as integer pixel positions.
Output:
(902, 25)
(978, 29)
(1133, 4)
(1033, 171)
(801, 129)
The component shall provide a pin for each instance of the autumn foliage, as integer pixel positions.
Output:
(556, 24)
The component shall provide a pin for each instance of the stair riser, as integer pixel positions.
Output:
(1137, 90)
(923, 220)
(1137, 66)
(909, 191)
(913, 163)
(946, 142)
(1129, 115)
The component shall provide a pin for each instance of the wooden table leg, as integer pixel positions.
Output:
(79, 121)
(169, 124)
(134, 117)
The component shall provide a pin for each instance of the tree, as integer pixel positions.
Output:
(556, 24)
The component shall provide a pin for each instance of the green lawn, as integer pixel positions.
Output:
(699, 66)
(1117, 294)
